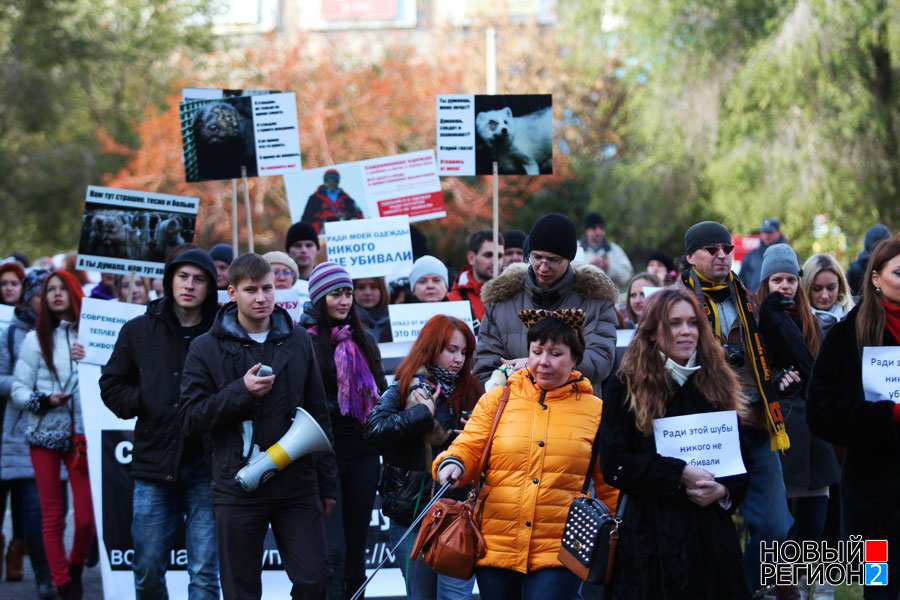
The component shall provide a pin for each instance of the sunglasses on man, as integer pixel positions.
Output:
(714, 250)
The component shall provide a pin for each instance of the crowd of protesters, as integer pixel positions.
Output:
(211, 386)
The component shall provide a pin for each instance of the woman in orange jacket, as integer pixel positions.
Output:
(539, 457)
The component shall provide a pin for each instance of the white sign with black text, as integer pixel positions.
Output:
(708, 440)
(407, 320)
(101, 321)
(881, 373)
(371, 247)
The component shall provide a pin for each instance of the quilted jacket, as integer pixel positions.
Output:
(539, 458)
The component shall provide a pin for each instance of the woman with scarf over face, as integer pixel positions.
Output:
(46, 385)
(415, 419)
(867, 425)
(353, 376)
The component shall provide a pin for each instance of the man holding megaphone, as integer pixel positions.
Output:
(248, 415)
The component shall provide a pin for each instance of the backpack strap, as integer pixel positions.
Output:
(10, 342)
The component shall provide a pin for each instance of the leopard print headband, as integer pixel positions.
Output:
(573, 317)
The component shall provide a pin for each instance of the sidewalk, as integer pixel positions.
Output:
(27, 589)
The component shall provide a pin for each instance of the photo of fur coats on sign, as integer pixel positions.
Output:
(133, 234)
(516, 131)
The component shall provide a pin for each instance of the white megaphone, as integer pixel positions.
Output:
(304, 437)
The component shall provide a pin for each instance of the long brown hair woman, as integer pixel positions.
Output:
(841, 412)
(677, 539)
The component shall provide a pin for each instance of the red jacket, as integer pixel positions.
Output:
(466, 288)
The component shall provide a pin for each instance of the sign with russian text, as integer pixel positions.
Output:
(101, 321)
(407, 320)
(708, 440)
(405, 184)
(514, 130)
(881, 373)
(289, 300)
(258, 132)
(371, 247)
(7, 311)
(123, 230)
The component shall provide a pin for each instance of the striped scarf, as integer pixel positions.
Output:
(711, 293)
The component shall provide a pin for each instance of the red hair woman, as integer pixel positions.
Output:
(415, 419)
(46, 384)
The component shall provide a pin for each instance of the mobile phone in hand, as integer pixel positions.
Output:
(264, 371)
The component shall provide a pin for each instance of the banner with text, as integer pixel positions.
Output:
(407, 320)
(405, 184)
(513, 130)
(289, 300)
(123, 230)
(101, 321)
(881, 373)
(258, 132)
(371, 247)
(709, 440)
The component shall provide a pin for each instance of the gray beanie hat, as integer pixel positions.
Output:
(427, 265)
(32, 283)
(779, 258)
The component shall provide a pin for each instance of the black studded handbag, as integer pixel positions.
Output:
(589, 538)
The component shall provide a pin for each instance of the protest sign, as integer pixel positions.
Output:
(407, 320)
(709, 440)
(289, 300)
(406, 184)
(188, 94)
(881, 373)
(258, 132)
(474, 131)
(302, 287)
(370, 247)
(99, 326)
(124, 229)
(6, 313)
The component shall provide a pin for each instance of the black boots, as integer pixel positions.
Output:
(72, 589)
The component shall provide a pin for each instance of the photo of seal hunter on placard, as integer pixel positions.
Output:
(218, 138)
(516, 131)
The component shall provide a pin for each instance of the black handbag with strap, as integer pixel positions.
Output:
(588, 545)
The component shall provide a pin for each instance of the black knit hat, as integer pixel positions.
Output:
(514, 239)
(197, 257)
(703, 234)
(663, 258)
(594, 218)
(223, 252)
(300, 232)
(554, 233)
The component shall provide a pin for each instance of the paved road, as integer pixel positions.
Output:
(27, 588)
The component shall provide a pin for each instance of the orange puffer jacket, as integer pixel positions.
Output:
(537, 466)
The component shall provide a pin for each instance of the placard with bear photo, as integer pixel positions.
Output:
(258, 131)
(123, 230)
(515, 131)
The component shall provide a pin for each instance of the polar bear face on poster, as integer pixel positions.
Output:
(521, 145)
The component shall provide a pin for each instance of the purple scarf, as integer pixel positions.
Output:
(357, 392)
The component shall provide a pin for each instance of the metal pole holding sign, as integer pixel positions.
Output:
(490, 43)
(247, 209)
(234, 219)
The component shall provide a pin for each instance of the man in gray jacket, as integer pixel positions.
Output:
(547, 281)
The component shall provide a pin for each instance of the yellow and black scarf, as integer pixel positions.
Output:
(732, 288)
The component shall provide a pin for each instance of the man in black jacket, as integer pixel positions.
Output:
(143, 379)
(221, 390)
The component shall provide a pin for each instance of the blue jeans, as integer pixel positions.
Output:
(557, 583)
(765, 507)
(158, 509)
(421, 582)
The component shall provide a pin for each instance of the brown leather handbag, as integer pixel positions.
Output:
(449, 537)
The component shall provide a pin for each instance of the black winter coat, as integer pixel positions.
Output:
(670, 548)
(810, 462)
(397, 434)
(349, 433)
(143, 379)
(215, 400)
(838, 412)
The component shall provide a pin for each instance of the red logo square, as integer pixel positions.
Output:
(876, 551)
